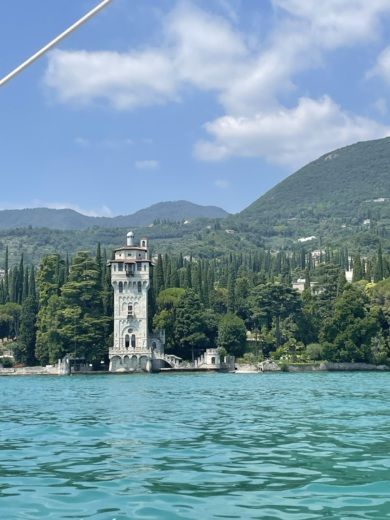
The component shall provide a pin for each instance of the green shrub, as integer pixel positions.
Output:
(7, 362)
(314, 352)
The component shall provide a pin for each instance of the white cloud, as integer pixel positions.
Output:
(222, 183)
(381, 106)
(382, 66)
(205, 51)
(149, 164)
(338, 22)
(124, 80)
(288, 136)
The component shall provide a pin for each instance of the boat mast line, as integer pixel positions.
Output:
(54, 42)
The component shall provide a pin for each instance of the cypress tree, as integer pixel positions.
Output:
(378, 275)
(188, 276)
(25, 290)
(357, 269)
(99, 265)
(180, 262)
(231, 286)
(31, 286)
(167, 272)
(6, 277)
(341, 282)
(174, 277)
(27, 331)
(159, 284)
(67, 267)
(307, 280)
(20, 280)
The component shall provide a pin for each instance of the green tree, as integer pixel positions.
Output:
(231, 286)
(348, 334)
(274, 301)
(159, 282)
(25, 350)
(165, 318)
(193, 329)
(378, 274)
(358, 273)
(6, 276)
(232, 334)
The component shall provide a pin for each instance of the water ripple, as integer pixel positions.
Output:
(181, 446)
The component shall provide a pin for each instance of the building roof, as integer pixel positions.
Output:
(131, 248)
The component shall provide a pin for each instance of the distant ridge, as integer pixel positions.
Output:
(68, 219)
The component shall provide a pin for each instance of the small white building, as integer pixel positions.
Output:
(349, 275)
(299, 286)
(210, 360)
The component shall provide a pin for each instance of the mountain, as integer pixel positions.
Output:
(341, 199)
(68, 219)
(172, 211)
(343, 191)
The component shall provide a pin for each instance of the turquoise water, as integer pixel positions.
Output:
(199, 446)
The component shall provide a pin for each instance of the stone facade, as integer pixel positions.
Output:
(134, 347)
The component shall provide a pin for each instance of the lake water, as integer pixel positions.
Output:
(195, 446)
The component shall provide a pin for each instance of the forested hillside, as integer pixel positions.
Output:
(343, 193)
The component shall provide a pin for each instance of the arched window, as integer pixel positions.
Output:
(133, 340)
(127, 341)
(213, 360)
(120, 286)
(143, 243)
(130, 309)
(140, 287)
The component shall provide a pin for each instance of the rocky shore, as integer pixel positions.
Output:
(324, 366)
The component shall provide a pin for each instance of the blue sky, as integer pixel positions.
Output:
(209, 101)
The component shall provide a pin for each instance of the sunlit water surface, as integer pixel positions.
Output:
(195, 446)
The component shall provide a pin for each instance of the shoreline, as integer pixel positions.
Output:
(261, 368)
(322, 366)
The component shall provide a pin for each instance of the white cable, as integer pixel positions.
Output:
(54, 42)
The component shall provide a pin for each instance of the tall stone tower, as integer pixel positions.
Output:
(133, 347)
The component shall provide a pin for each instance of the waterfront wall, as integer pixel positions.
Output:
(31, 371)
